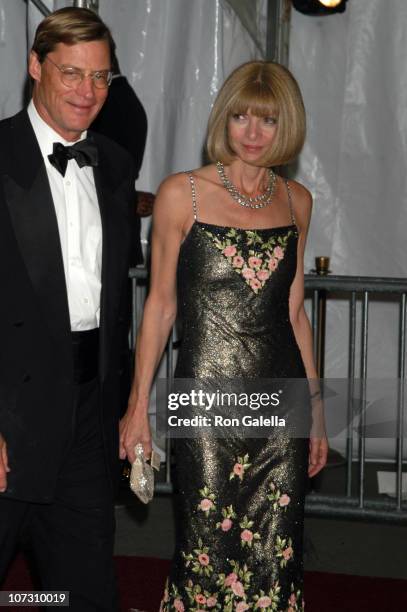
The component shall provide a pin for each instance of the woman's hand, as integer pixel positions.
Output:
(318, 453)
(135, 429)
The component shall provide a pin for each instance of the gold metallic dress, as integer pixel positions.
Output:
(239, 502)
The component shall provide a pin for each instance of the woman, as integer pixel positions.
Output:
(228, 245)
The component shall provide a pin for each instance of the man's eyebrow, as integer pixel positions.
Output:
(83, 69)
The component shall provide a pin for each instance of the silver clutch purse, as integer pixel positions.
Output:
(142, 475)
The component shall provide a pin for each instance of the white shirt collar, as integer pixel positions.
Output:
(46, 136)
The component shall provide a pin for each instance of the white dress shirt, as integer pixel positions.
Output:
(79, 225)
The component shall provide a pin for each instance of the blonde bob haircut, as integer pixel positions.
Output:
(267, 89)
(70, 25)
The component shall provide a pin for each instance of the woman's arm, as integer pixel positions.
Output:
(170, 216)
(4, 467)
(302, 204)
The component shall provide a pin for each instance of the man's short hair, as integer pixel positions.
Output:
(70, 25)
(267, 89)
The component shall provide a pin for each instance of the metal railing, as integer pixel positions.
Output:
(319, 289)
(357, 288)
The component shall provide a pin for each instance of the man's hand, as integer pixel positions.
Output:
(4, 467)
(145, 203)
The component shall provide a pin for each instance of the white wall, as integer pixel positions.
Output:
(352, 69)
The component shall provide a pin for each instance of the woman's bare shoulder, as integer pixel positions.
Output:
(301, 199)
(206, 176)
(205, 172)
(178, 186)
(175, 185)
(174, 199)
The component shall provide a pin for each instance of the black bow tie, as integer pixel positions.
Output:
(85, 152)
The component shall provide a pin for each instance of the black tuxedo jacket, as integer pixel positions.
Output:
(36, 370)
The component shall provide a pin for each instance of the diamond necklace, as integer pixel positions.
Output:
(259, 201)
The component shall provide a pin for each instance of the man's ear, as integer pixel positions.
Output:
(34, 67)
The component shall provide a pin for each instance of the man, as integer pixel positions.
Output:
(64, 247)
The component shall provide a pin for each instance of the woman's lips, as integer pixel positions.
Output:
(252, 148)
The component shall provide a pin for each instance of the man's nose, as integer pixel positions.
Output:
(86, 87)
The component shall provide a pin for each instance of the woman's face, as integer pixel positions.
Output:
(250, 137)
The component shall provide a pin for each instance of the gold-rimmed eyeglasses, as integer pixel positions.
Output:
(73, 77)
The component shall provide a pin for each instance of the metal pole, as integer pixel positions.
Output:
(170, 378)
(278, 31)
(362, 421)
(41, 7)
(320, 356)
(322, 269)
(400, 400)
(315, 320)
(351, 389)
(89, 4)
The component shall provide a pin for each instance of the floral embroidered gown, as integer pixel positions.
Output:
(239, 506)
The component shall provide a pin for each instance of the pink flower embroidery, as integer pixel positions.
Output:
(248, 273)
(263, 602)
(246, 535)
(263, 275)
(272, 264)
(178, 605)
(293, 599)
(288, 553)
(201, 599)
(238, 470)
(203, 559)
(237, 262)
(206, 504)
(230, 579)
(211, 602)
(242, 606)
(229, 251)
(237, 588)
(284, 500)
(278, 252)
(254, 262)
(226, 524)
(255, 284)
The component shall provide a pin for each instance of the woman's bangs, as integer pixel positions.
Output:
(257, 97)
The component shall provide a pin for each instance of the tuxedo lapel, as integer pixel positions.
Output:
(33, 217)
(116, 231)
(34, 221)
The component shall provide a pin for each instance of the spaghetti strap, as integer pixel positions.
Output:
(193, 190)
(290, 201)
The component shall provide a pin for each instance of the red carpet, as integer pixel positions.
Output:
(141, 583)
